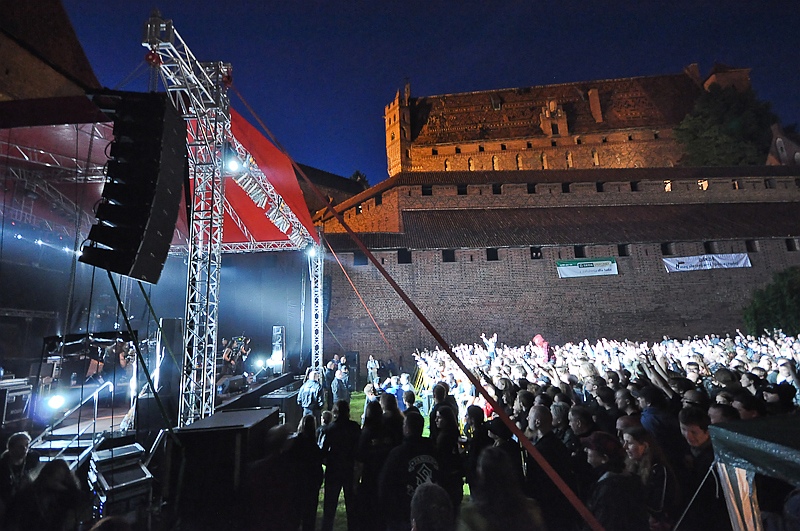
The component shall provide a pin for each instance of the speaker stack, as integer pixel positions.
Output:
(148, 165)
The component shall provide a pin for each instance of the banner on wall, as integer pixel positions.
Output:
(586, 267)
(706, 261)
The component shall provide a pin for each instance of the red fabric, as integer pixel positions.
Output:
(279, 172)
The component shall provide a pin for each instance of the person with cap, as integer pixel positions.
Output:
(779, 398)
(614, 498)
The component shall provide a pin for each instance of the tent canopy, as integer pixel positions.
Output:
(67, 137)
(769, 446)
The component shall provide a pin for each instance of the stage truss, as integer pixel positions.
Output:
(199, 92)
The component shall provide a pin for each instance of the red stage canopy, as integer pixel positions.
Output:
(53, 137)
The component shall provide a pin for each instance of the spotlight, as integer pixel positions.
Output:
(56, 402)
(18, 236)
(260, 363)
(67, 250)
(233, 164)
(312, 251)
(39, 242)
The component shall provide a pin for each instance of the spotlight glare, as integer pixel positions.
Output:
(312, 251)
(55, 402)
(67, 249)
(39, 242)
(260, 364)
(18, 236)
(234, 164)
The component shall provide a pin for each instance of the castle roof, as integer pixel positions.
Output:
(652, 101)
(585, 225)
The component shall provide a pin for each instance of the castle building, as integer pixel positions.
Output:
(616, 123)
(612, 242)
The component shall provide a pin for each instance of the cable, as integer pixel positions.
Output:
(548, 469)
(360, 298)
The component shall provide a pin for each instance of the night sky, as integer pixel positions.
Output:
(320, 72)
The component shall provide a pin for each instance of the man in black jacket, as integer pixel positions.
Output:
(339, 447)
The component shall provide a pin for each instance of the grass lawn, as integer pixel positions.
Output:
(356, 409)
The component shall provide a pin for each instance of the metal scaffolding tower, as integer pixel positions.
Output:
(316, 262)
(199, 92)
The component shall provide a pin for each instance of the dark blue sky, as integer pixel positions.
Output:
(319, 72)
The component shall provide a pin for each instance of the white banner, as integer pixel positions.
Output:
(586, 267)
(706, 261)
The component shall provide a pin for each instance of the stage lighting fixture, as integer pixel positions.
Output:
(260, 363)
(18, 236)
(39, 242)
(312, 251)
(55, 402)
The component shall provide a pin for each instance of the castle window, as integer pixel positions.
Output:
(564, 188)
(427, 189)
(543, 158)
(378, 199)
(458, 150)
(792, 245)
(624, 249)
(578, 140)
(580, 251)
(710, 247)
(554, 128)
(569, 160)
(595, 158)
(491, 255)
(497, 189)
(553, 143)
(630, 138)
(502, 147)
(448, 255)
(446, 164)
(531, 188)
(667, 186)
(528, 145)
(392, 135)
(667, 249)
(769, 184)
(359, 209)
(752, 246)
(403, 132)
(480, 149)
(655, 135)
(635, 186)
(359, 258)
(461, 189)
(434, 151)
(536, 253)
(403, 256)
(495, 163)
(471, 164)
(702, 184)
(519, 162)
(603, 140)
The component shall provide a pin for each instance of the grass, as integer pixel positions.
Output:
(340, 523)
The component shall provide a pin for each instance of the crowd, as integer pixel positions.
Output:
(624, 424)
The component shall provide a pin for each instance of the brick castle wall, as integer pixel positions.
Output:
(518, 296)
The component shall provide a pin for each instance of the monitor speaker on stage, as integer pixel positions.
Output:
(278, 359)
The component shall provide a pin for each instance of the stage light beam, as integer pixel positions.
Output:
(56, 402)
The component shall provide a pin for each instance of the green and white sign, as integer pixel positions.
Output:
(586, 267)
